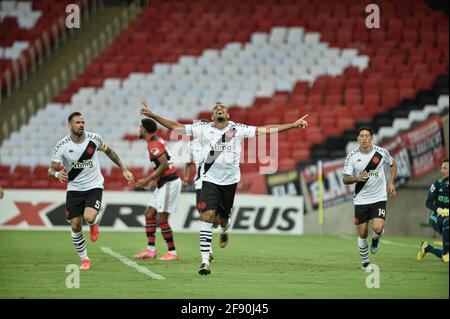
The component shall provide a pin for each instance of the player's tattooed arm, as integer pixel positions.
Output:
(52, 172)
(347, 179)
(116, 160)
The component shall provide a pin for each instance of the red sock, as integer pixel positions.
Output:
(150, 229)
(166, 232)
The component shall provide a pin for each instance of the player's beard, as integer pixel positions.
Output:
(79, 132)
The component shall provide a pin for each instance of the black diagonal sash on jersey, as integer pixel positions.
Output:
(370, 166)
(74, 172)
(213, 154)
(198, 172)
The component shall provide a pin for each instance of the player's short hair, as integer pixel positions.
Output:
(149, 125)
(72, 115)
(444, 161)
(365, 128)
(218, 103)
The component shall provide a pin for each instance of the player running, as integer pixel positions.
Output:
(78, 153)
(196, 159)
(365, 167)
(165, 198)
(220, 169)
(437, 203)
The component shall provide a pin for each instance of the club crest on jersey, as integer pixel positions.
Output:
(90, 150)
(230, 134)
(375, 160)
(154, 151)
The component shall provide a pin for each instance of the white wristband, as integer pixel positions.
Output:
(56, 174)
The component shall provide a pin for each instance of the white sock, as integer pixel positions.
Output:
(376, 236)
(151, 248)
(363, 250)
(205, 240)
(173, 252)
(79, 244)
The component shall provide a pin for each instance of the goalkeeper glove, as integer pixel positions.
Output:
(442, 212)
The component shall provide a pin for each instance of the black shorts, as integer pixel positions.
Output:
(198, 196)
(364, 213)
(77, 201)
(217, 197)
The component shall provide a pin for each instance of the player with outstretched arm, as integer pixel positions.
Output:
(220, 169)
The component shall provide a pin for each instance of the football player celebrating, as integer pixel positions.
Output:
(78, 154)
(220, 170)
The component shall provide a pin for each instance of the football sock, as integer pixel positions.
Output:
(205, 240)
(363, 250)
(79, 244)
(445, 236)
(435, 251)
(150, 229)
(167, 234)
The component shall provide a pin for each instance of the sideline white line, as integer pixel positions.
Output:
(131, 263)
(387, 242)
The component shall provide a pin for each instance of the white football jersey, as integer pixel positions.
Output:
(375, 188)
(80, 161)
(221, 150)
(195, 156)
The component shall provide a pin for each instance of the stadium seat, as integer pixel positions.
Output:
(269, 65)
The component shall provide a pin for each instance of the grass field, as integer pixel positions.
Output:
(33, 265)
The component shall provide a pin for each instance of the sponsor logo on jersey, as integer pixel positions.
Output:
(222, 147)
(95, 137)
(84, 164)
(373, 174)
(61, 143)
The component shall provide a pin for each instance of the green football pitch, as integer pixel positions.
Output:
(33, 265)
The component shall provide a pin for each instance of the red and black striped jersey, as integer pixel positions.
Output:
(157, 147)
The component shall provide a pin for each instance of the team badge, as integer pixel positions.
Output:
(230, 134)
(201, 205)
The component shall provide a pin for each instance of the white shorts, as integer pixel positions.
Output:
(166, 198)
